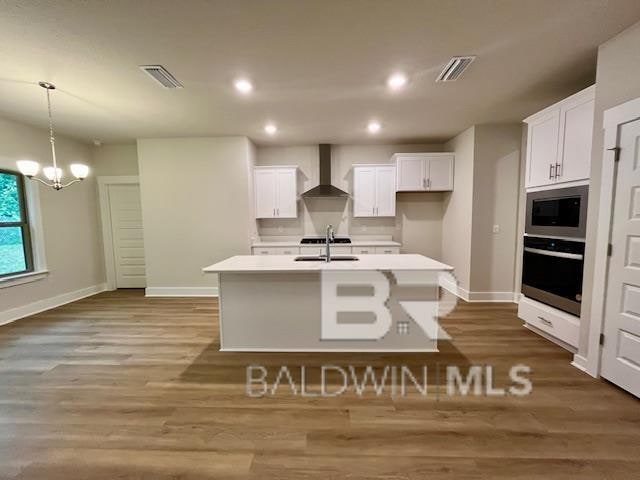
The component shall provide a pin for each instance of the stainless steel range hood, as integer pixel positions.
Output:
(325, 189)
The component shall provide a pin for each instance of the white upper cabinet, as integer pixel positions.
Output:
(424, 172)
(275, 192)
(559, 141)
(374, 191)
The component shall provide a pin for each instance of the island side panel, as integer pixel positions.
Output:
(282, 312)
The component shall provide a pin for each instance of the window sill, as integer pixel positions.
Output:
(23, 278)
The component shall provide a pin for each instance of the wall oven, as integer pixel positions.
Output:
(560, 212)
(552, 272)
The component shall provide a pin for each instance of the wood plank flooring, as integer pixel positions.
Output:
(118, 386)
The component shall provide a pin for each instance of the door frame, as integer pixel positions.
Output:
(104, 182)
(613, 119)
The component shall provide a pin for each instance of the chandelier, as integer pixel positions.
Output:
(30, 169)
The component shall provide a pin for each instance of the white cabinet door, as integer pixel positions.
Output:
(575, 140)
(440, 173)
(364, 191)
(542, 149)
(287, 201)
(411, 173)
(265, 193)
(385, 191)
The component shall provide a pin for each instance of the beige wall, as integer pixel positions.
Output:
(195, 206)
(617, 81)
(417, 224)
(496, 181)
(457, 217)
(115, 160)
(69, 217)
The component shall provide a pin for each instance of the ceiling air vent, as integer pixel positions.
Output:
(161, 75)
(455, 68)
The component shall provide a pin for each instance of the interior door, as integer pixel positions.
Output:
(286, 206)
(542, 149)
(386, 191)
(411, 173)
(440, 173)
(265, 193)
(126, 231)
(621, 351)
(364, 192)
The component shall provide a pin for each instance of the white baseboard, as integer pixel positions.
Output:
(467, 296)
(580, 363)
(14, 314)
(181, 291)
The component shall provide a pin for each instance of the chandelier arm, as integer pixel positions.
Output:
(42, 181)
(51, 137)
(70, 183)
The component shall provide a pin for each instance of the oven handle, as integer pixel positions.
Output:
(549, 253)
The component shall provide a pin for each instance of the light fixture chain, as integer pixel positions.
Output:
(52, 139)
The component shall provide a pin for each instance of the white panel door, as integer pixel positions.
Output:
(440, 173)
(542, 149)
(286, 206)
(364, 191)
(575, 143)
(411, 173)
(621, 352)
(126, 231)
(265, 185)
(385, 191)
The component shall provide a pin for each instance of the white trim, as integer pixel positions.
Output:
(497, 297)
(181, 291)
(105, 222)
(580, 362)
(32, 193)
(22, 278)
(613, 118)
(588, 92)
(573, 183)
(14, 314)
(332, 350)
(471, 297)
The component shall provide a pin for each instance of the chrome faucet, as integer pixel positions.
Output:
(330, 238)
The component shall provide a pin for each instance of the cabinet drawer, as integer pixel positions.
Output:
(363, 250)
(387, 250)
(317, 250)
(264, 251)
(556, 323)
(288, 251)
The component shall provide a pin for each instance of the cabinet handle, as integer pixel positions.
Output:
(278, 211)
(546, 322)
(424, 183)
(558, 173)
(551, 171)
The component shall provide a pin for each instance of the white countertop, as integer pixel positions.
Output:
(354, 243)
(286, 263)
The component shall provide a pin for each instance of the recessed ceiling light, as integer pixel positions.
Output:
(243, 85)
(270, 128)
(374, 127)
(397, 81)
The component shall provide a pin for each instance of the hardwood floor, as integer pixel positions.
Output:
(118, 386)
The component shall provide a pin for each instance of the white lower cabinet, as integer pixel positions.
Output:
(387, 250)
(321, 250)
(554, 322)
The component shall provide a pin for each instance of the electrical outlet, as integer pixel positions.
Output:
(496, 229)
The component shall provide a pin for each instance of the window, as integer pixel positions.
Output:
(15, 239)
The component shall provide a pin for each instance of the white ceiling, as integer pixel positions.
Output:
(318, 66)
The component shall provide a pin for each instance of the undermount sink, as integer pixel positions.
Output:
(337, 258)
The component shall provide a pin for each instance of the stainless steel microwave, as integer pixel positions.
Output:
(560, 212)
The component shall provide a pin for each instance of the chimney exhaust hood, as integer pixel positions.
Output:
(325, 189)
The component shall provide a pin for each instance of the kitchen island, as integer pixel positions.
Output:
(278, 303)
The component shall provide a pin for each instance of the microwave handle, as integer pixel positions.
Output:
(549, 253)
